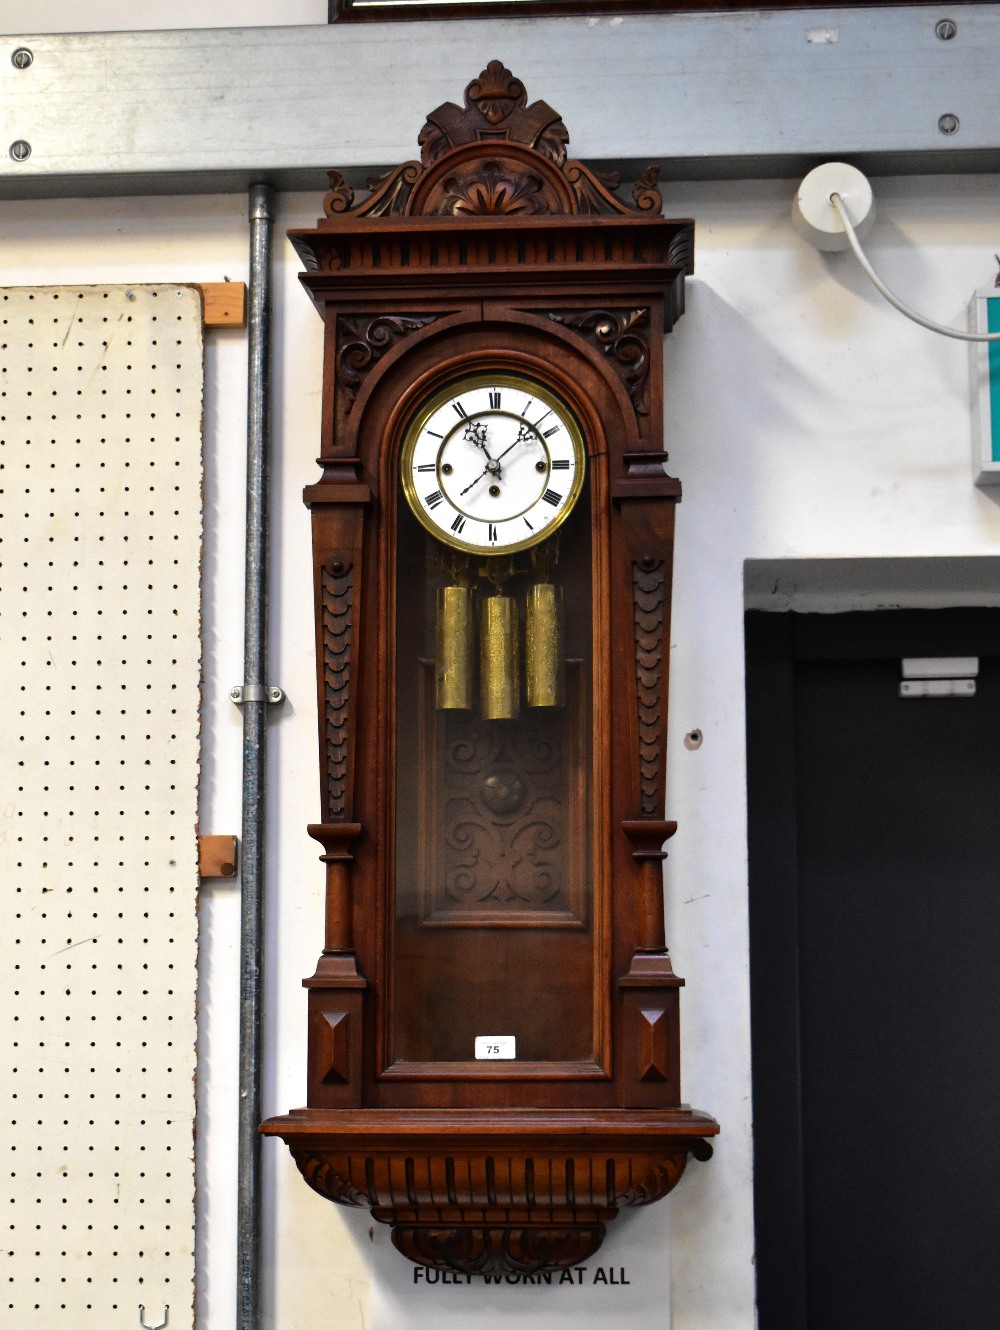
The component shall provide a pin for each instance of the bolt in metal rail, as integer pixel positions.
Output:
(254, 743)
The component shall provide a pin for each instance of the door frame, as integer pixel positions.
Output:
(775, 644)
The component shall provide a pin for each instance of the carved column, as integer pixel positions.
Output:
(338, 505)
(646, 499)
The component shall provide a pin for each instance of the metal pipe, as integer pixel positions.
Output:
(254, 748)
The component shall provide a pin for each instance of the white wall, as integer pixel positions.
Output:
(805, 418)
(36, 16)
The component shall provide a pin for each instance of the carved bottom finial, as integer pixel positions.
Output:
(518, 1250)
(495, 1211)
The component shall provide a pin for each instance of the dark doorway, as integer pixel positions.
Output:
(875, 973)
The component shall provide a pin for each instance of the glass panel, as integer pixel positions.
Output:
(493, 908)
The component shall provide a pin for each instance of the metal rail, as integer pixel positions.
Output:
(911, 88)
(255, 701)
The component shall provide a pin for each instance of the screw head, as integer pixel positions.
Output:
(948, 123)
(20, 150)
(22, 58)
(945, 29)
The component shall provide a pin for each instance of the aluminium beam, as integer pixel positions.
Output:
(707, 94)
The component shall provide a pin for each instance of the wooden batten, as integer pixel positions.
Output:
(224, 304)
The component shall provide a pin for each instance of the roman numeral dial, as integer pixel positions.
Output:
(493, 462)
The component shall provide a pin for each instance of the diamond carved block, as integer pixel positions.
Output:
(334, 1047)
(654, 1045)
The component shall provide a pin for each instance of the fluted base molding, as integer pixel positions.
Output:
(511, 1192)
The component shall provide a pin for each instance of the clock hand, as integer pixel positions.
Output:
(485, 472)
(475, 433)
(489, 460)
(493, 468)
(524, 435)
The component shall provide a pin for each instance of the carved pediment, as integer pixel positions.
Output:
(496, 110)
(497, 154)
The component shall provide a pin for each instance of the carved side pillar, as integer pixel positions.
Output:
(336, 990)
(646, 498)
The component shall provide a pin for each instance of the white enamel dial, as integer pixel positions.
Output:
(493, 463)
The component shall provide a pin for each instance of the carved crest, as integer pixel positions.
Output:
(495, 154)
(496, 110)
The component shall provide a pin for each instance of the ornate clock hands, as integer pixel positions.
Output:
(476, 433)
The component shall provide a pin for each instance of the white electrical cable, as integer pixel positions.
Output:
(880, 286)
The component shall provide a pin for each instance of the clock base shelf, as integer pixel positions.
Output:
(514, 1192)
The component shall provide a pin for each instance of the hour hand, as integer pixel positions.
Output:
(475, 433)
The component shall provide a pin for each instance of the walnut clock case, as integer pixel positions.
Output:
(493, 1021)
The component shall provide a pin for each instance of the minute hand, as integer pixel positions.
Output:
(524, 435)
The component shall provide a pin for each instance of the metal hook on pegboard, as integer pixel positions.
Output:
(160, 1324)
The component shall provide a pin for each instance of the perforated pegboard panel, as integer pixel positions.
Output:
(100, 550)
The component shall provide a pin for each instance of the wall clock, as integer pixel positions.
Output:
(494, 1055)
(493, 464)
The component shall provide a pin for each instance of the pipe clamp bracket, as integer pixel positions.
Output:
(256, 692)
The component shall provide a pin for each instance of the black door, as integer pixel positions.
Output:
(875, 973)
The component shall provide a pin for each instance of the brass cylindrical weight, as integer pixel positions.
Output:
(545, 666)
(454, 665)
(498, 659)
